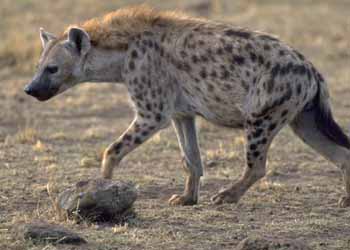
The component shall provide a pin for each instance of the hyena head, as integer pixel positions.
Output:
(60, 65)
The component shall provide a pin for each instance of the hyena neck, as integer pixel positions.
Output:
(103, 65)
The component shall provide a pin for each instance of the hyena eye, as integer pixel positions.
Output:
(52, 69)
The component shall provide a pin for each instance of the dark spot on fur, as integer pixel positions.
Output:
(268, 65)
(253, 57)
(203, 73)
(257, 132)
(275, 70)
(253, 147)
(210, 87)
(139, 97)
(302, 70)
(137, 140)
(261, 59)
(258, 123)
(118, 147)
(256, 154)
(204, 58)
(134, 54)
(284, 113)
(128, 137)
(219, 51)
(145, 133)
(238, 33)
(201, 42)
(213, 74)
(158, 117)
(150, 44)
(131, 65)
(217, 99)
(156, 46)
(238, 59)
(263, 141)
(299, 89)
(272, 126)
(194, 59)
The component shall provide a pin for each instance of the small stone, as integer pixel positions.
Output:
(98, 200)
(41, 232)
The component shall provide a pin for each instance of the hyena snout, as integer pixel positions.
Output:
(41, 91)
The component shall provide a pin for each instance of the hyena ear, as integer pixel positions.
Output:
(80, 39)
(46, 37)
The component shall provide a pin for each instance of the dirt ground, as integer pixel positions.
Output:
(57, 143)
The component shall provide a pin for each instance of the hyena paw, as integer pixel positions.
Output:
(182, 200)
(344, 202)
(226, 196)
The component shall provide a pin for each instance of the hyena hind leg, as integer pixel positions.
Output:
(305, 127)
(259, 134)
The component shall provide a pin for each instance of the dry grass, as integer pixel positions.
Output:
(45, 147)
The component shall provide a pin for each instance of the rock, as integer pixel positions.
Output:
(41, 232)
(98, 200)
(252, 243)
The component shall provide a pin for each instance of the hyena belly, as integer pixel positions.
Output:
(218, 102)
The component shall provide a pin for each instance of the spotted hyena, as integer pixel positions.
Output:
(176, 68)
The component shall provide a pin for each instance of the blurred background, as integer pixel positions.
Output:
(59, 142)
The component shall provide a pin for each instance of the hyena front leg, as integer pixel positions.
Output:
(187, 137)
(259, 135)
(137, 133)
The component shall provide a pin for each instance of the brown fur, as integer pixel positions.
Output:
(114, 30)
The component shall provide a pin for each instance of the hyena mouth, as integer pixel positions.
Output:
(47, 94)
(43, 94)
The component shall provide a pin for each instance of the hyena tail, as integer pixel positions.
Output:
(324, 118)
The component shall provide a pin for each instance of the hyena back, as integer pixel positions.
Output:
(176, 68)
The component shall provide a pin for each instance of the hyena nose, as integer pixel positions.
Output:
(28, 89)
